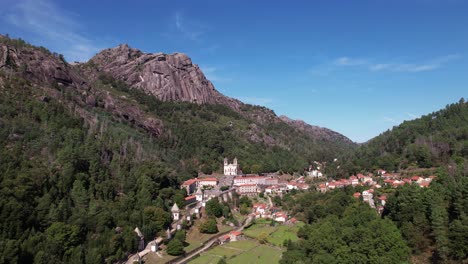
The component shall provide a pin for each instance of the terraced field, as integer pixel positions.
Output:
(241, 252)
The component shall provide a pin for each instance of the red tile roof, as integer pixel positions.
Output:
(235, 233)
(190, 197)
(189, 182)
(208, 179)
(250, 177)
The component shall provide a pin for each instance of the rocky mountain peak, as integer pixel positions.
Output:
(168, 77)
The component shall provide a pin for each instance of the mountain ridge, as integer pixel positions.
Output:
(174, 77)
(119, 82)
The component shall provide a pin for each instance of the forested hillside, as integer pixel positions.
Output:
(433, 221)
(70, 193)
(83, 162)
(342, 229)
(433, 140)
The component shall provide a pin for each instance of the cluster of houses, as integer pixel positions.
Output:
(248, 185)
(261, 210)
(393, 180)
(354, 180)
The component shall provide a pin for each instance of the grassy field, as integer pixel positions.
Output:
(276, 235)
(283, 233)
(261, 254)
(242, 252)
(255, 230)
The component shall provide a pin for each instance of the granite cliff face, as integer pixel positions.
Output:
(168, 77)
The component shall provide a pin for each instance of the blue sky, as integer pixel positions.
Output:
(357, 67)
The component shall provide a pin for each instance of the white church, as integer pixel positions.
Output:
(231, 169)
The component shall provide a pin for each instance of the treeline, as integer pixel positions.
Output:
(342, 229)
(434, 220)
(433, 140)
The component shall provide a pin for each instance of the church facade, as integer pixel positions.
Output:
(231, 169)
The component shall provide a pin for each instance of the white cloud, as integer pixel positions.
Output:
(428, 65)
(346, 61)
(404, 67)
(190, 29)
(52, 25)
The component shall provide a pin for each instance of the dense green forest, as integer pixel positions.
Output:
(70, 195)
(431, 224)
(434, 220)
(433, 140)
(341, 229)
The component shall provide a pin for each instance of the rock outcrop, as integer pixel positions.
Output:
(168, 77)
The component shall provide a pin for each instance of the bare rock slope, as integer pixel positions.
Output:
(168, 77)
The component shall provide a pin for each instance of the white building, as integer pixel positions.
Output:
(175, 212)
(202, 182)
(231, 168)
(280, 217)
(199, 195)
(247, 189)
(262, 180)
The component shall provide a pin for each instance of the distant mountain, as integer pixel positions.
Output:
(169, 98)
(173, 77)
(435, 139)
